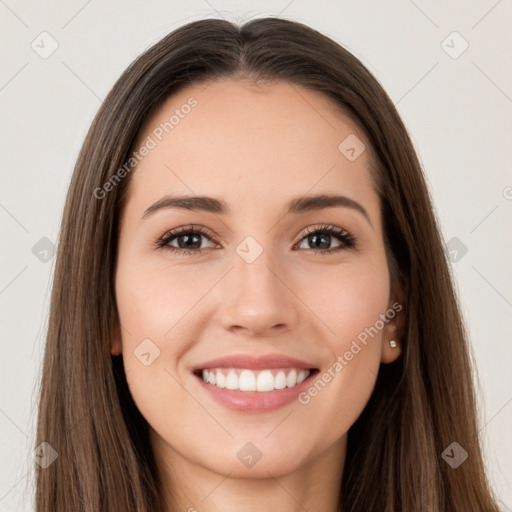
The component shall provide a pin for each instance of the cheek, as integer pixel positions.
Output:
(152, 301)
(350, 301)
(155, 311)
(352, 307)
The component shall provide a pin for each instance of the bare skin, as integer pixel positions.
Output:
(256, 148)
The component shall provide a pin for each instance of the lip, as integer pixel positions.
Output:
(252, 362)
(254, 401)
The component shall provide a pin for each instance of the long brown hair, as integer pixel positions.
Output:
(421, 404)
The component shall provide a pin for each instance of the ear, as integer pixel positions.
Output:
(394, 328)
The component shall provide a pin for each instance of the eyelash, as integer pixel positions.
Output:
(348, 240)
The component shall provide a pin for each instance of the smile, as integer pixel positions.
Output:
(262, 381)
(246, 383)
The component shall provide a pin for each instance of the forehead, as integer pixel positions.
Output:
(250, 144)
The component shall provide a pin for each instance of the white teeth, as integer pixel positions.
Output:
(302, 376)
(291, 379)
(232, 381)
(265, 381)
(220, 380)
(248, 380)
(280, 380)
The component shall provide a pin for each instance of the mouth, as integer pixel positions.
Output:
(247, 384)
(250, 380)
(254, 383)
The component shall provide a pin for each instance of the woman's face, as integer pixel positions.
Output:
(248, 298)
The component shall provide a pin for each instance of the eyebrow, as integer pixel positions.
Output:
(295, 206)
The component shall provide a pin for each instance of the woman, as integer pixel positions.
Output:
(252, 306)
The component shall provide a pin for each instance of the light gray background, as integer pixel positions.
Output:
(458, 111)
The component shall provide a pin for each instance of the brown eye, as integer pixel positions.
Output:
(188, 240)
(320, 239)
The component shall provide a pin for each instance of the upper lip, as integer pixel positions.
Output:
(254, 362)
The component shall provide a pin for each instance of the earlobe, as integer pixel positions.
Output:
(391, 350)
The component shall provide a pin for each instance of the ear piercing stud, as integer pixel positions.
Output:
(392, 343)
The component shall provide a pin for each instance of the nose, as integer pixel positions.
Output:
(258, 299)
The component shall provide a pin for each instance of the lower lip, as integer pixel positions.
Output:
(255, 401)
